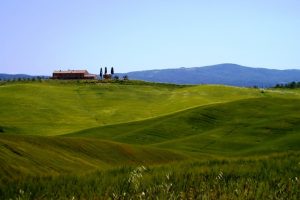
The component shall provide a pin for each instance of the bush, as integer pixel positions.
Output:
(125, 78)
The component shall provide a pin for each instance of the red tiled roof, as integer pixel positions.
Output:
(71, 71)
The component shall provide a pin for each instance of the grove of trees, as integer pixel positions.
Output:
(291, 85)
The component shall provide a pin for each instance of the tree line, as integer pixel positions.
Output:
(35, 78)
(291, 85)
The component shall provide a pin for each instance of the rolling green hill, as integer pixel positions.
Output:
(32, 155)
(56, 108)
(53, 129)
(205, 120)
(245, 126)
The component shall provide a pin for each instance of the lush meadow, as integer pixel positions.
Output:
(269, 177)
(137, 140)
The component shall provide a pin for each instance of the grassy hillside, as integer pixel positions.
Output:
(271, 177)
(70, 139)
(55, 108)
(35, 155)
(241, 127)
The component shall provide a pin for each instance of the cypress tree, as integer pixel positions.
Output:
(112, 71)
(101, 73)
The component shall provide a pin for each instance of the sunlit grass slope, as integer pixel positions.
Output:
(55, 108)
(82, 140)
(21, 155)
(258, 125)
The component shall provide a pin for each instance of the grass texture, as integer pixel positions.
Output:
(137, 140)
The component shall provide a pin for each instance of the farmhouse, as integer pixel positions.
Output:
(73, 74)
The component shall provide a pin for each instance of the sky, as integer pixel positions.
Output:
(39, 36)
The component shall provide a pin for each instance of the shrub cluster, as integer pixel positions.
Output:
(291, 85)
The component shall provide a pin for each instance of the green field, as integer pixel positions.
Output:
(84, 140)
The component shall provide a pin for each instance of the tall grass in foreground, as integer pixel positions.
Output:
(275, 177)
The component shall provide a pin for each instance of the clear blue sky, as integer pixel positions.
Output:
(37, 37)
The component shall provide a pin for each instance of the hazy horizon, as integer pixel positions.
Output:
(50, 74)
(38, 37)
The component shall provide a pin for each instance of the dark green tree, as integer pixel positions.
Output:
(105, 70)
(125, 78)
(39, 78)
(293, 85)
(112, 71)
(101, 75)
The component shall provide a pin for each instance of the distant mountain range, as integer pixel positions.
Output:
(227, 74)
(16, 76)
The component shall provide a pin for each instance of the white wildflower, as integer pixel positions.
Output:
(135, 177)
(220, 176)
(21, 191)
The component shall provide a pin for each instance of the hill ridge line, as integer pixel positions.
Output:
(159, 116)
